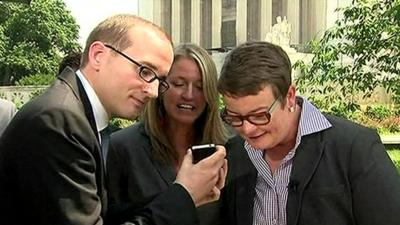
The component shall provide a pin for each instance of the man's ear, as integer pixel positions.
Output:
(97, 52)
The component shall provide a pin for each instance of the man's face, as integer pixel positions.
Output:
(121, 90)
(260, 136)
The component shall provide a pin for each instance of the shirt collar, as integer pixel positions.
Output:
(311, 119)
(100, 114)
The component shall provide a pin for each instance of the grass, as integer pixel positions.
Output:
(395, 156)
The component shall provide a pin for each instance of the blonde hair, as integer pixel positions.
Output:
(113, 31)
(209, 125)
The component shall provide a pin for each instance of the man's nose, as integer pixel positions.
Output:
(151, 89)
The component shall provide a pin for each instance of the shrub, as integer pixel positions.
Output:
(122, 123)
(36, 80)
(391, 125)
(379, 112)
(359, 53)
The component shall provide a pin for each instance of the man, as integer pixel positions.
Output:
(295, 164)
(7, 111)
(52, 168)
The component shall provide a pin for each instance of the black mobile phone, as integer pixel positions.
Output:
(200, 152)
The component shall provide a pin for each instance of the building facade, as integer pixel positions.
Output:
(227, 23)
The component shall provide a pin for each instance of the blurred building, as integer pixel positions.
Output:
(226, 23)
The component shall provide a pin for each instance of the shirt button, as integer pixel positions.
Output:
(274, 221)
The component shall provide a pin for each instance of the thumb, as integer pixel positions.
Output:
(188, 157)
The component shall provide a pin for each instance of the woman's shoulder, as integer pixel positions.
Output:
(133, 133)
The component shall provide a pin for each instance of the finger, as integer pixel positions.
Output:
(222, 177)
(225, 167)
(215, 160)
(215, 193)
(221, 150)
(220, 182)
(188, 158)
(219, 153)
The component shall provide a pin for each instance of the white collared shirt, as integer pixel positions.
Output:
(100, 114)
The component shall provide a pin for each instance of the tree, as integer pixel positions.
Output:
(358, 54)
(34, 38)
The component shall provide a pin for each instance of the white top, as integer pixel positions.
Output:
(100, 114)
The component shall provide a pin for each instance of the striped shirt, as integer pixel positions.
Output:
(272, 189)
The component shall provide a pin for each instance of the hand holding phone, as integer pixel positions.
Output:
(203, 180)
(200, 152)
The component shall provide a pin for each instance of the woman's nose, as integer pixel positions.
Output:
(247, 127)
(188, 92)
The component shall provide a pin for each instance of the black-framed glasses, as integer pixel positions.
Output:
(262, 118)
(144, 72)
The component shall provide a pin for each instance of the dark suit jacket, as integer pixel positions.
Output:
(341, 175)
(136, 176)
(51, 170)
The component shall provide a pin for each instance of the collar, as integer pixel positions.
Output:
(100, 114)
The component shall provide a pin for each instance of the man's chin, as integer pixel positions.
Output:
(127, 116)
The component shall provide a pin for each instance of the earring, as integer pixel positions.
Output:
(291, 109)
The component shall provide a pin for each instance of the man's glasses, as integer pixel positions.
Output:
(262, 118)
(144, 72)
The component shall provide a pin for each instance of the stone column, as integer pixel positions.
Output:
(265, 18)
(319, 15)
(145, 9)
(216, 24)
(241, 21)
(158, 12)
(195, 21)
(313, 19)
(293, 17)
(176, 21)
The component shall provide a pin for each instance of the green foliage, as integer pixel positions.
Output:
(383, 118)
(221, 103)
(379, 112)
(358, 54)
(396, 110)
(121, 123)
(390, 125)
(36, 79)
(33, 38)
(395, 156)
(344, 109)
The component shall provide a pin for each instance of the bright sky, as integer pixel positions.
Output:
(89, 13)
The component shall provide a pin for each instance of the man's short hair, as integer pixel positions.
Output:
(113, 31)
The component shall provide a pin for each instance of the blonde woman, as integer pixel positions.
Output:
(144, 158)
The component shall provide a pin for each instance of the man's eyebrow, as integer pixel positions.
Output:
(149, 65)
(154, 68)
